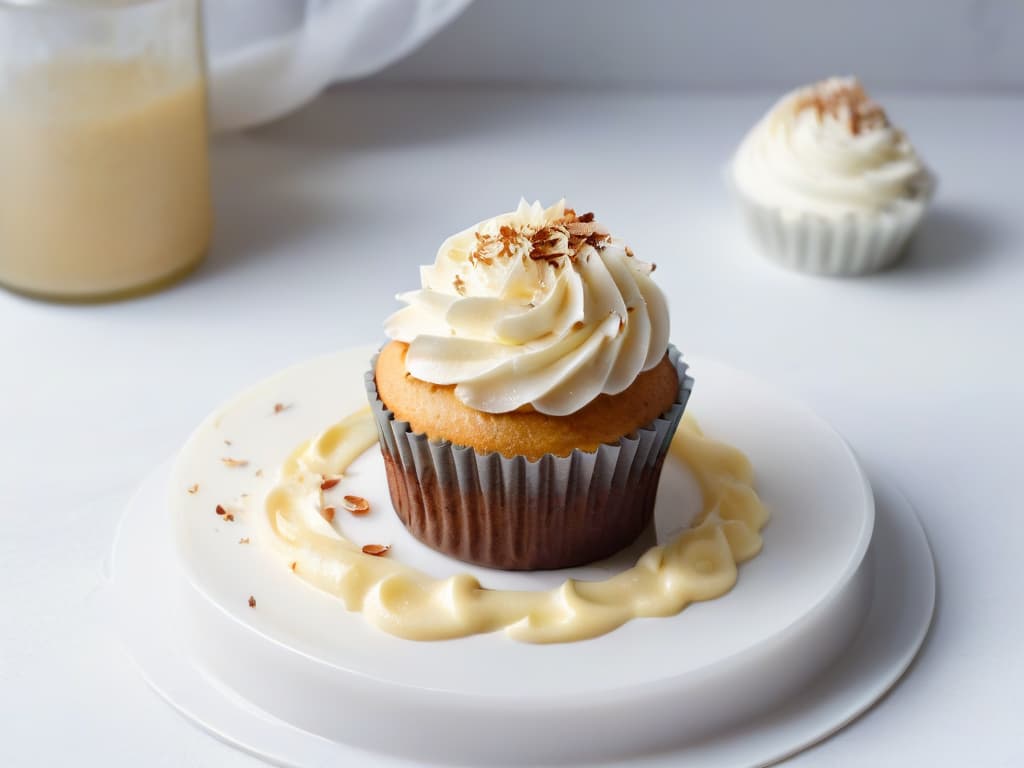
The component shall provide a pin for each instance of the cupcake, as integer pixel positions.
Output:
(827, 184)
(528, 394)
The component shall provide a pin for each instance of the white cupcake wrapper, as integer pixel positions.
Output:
(854, 244)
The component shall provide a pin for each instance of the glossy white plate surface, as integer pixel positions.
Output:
(653, 686)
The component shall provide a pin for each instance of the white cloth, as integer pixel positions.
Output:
(269, 57)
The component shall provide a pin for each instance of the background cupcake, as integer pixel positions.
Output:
(828, 185)
(529, 394)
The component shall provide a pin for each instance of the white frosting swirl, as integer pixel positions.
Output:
(828, 149)
(534, 307)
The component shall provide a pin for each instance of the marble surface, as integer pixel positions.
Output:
(323, 217)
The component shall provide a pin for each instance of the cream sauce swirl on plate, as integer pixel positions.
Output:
(698, 564)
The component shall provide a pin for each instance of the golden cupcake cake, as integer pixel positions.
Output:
(529, 393)
(828, 184)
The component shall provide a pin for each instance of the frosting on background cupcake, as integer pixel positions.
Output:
(829, 150)
(537, 307)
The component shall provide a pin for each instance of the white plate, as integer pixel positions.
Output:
(145, 582)
(653, 685)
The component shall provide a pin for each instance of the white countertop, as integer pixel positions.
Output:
(323, 217)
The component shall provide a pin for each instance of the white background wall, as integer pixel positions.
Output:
(735, 44)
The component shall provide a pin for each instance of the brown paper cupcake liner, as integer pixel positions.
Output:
(514, 514)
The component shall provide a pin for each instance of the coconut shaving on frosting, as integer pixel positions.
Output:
(539, 307)
(843, 100)
(829, 149)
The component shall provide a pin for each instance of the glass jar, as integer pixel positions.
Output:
(104, 176)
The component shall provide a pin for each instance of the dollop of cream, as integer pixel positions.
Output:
(698, 564)
(537, 307)
(828, 149)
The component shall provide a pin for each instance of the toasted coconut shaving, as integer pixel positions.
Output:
(357, 505)
(555, 243)
(845, 101)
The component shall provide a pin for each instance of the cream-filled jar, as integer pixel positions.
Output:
(104, 189)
